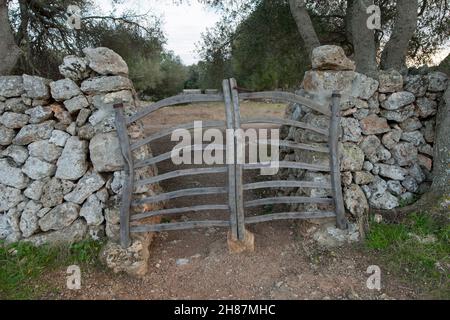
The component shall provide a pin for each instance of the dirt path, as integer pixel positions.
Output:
(196, 264)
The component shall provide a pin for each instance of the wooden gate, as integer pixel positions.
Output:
(236, 204)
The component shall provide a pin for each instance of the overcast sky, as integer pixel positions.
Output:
(182, 24)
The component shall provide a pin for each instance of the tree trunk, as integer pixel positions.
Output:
(9, 51)
(304, 24)
(441, 158)
(363, 39)
(396, 49)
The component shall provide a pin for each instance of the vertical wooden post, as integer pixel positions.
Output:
(333, 140)
(238, 166)
(127, 189)
(231, 166)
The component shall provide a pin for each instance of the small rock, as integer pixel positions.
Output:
(18, 154)
(76, 103)
(34, 132)
(34, 190)
(73, 233)
(83, 116)
(6, 136)
(404, 153)
(29, 220)
(52, 193)
(14, 120)
(363, 177)
(105, 152)
(410, 184)
(37, 169)
(411, 124)
(36, 87)
(74, 68)
(72, 164)
(59, 217)
(390, 81)
(39, 114)
(355, 201)
(45, 150)
(352, 157)
(390, 139)
(437, 81)
(9, 197)
(398, 100)
(399, 115)
(104, 61)
(330, 57)
(89, 184)
(182, 262)
(414, 137)
(92, 211)
(11, 86)
(425, 162)
(59, 138)
(374, 125)
(426, 107)
(351, 129)
(416, 84)
(106, 84)
(395, 187)
(392, 172)
(64, 89)
(11, 175)
(426, 149)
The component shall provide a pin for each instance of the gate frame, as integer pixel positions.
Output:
(235, 188)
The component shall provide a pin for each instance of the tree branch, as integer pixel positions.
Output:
(304, 24)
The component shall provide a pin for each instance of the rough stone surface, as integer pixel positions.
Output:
(355, 201)
(351, 130)
(92, 211)
(60, 217)
(106, 84)
(416, 84)
(72, 164)
(89, 184)
(59, 138)
(14, 120)
(6, 135)
(404, 153)
(414, 137)
(37, 169)
(399, 115)
(105, 152)
(34, 132)
(74, 68)
(36, 87)
(45, 150)
(437, 81)
(73, 233)
(76, 103)
(331, 57)
(374, 125)
(104, 61)
(29, 219)
(39, 114)
(426, 107)
(11, 86)
(9, 197)
(332, 237)
(18, 154)
(392, 172)
(391, 138)
(390, 81)
(11, 175)
(352, 157)
(398, 100)
(34, 190)
(64, 89)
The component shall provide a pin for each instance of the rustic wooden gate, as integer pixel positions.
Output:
(236, 204)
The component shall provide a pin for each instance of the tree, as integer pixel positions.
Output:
(9, 51)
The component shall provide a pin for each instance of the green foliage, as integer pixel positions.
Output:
(419, 250)
(22, 263)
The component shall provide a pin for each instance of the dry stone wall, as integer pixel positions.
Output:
(60, 163)
(388, 128)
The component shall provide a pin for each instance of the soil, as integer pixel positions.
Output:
(196, 264)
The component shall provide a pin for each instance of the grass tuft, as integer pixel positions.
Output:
(21, 264)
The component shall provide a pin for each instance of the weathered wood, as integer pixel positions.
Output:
(341, 221)
(289, 165)
(239, 167)
(179, 210)
(179, 194)
(231, 167)
(127, 189)
(287, 200)
(289, 216)
(287, 184)
(168, 155)
(180, 173)
(296, 145)
(179, 226)
(286, 122)
(173, 101)
(169, 131)
(286, 97)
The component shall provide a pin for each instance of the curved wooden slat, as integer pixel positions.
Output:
(178, 210)
(289, 165)
(175, 100)
(279, 200)
(289, 216)
(179, 226)
(168, 131)
(286, 122)
(286, 97)
(286, 184)
(179, 194)
(296, 145)
(180, 173)
(168, 155)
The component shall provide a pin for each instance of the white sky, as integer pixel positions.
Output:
(182, 24)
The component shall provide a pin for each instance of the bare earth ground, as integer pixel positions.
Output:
(284, 265)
